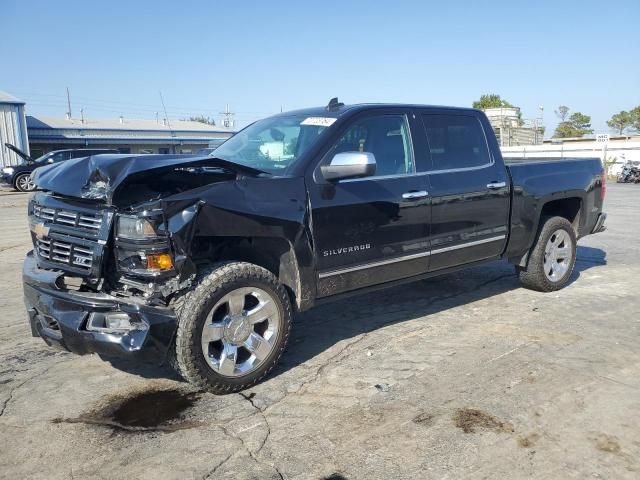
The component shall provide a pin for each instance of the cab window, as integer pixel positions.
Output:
(386, 136)
(455, 141)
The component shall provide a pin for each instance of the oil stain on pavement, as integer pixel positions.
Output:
(139, 411)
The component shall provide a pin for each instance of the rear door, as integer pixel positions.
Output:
(469, 189)
(375, 229)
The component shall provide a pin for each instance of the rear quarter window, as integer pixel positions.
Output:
(455, 141)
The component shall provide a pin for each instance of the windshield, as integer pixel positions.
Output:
(275, 143)
(44, 157)
(41, 159)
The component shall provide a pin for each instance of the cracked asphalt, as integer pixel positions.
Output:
(461, 376)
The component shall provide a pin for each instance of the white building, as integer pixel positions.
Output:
(13, 129)
(511, 129)
(614, 150)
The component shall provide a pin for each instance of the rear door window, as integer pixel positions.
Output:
(455, 142)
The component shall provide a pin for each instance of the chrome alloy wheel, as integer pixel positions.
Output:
(25, 184)
(240, 331)
(558, 254)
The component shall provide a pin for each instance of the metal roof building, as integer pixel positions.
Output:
(126, 135)
(13, 129)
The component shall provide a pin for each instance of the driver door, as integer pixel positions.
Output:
(374, 229)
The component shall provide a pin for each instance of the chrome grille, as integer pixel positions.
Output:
(68, 235)
(65, 252)
(68, 218)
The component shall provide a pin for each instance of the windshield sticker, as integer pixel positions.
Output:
(319, 121)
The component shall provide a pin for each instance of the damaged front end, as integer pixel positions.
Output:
(101, 281)
(110, 252)
(118, 238)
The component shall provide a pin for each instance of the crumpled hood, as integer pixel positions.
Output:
(99, 177)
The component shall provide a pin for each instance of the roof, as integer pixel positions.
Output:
(41, 122)
(6, 98)
(357, 107)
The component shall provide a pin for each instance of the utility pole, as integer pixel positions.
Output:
(82, 115)
(69, 104)
(227, 122)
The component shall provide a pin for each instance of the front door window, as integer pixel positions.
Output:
(386, 136)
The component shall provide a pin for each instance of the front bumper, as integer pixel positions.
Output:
(60, 316)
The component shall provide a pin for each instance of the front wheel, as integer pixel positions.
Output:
(232, 327)
(23, 183)
(552, 257)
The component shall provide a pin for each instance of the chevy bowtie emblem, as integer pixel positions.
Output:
(40, 230)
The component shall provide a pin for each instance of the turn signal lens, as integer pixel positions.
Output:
(159, 261)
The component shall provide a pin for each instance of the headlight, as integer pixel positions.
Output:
(142, 246)
(7, 170)
(135, 228)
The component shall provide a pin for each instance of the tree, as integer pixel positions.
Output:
(581, 122)
(635, 118)
(620, 121)
(491, 100)
(562, 113)
(203, 119)
(577, 125)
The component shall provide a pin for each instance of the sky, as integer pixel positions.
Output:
(260, 57)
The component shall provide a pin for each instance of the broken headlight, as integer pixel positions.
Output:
(142, 246)
(136, 228)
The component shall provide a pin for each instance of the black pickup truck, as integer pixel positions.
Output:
(202, 262)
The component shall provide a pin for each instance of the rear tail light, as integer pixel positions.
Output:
(603, 182)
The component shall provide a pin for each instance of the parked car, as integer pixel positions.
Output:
(202, 262)
(19, 176)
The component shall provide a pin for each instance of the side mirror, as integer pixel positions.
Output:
(50, 160)
(349, 165)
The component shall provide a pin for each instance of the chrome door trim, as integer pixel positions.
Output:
(414, 256)
(380, 263)
(468, 244)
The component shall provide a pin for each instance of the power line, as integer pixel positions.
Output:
(144, 107)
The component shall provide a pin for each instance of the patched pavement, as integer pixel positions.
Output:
(461, 376)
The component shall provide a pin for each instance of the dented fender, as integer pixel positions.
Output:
(268, 212)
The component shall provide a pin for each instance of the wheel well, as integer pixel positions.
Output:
(271, 253)
(568, 208)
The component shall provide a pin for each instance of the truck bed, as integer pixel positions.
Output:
(536, 181)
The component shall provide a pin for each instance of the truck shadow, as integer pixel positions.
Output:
(320, 328)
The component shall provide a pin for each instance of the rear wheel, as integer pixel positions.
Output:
(23, 183)
(552, 258)
(232, 327)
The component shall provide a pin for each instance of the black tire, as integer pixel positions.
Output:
(192, 309)
(22, 179)
(533, 276)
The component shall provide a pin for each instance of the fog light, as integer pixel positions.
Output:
(159, 261)
(113, 322)
(117, 321)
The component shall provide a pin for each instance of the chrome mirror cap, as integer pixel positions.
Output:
(350, 165)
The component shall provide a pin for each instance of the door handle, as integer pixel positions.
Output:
(496, 185)
(415, 194)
